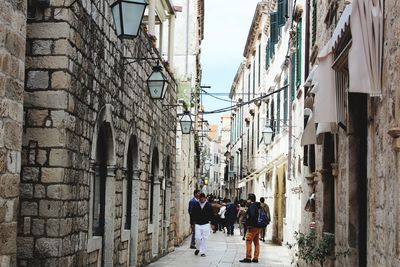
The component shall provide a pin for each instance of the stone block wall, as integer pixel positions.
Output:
(12, 71)
(75, 67)
(383, 113)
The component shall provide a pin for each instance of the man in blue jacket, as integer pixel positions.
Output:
(192, 202)
(253, 230)
(201, 217)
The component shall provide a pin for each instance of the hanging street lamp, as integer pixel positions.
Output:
(186, 123)
(267, 134)
(157, 83)
(128, 15)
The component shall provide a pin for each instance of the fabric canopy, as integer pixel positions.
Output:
(365, 55)
(324, 87)
(308, 137)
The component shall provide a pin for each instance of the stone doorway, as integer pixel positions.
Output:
(328, 184)
(279, 205)
(154, 205)
(357, 180)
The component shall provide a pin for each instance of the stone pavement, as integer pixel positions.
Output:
(225, 251)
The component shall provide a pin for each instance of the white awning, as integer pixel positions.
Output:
(324, 88)
(308, 137)
(343, 22)
(365, 55)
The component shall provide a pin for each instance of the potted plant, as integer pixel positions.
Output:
(312, 249)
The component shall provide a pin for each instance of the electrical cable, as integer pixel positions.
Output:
(262, 96)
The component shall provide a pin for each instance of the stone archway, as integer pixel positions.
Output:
(131, 193)
(102, 189)
(154, 200)
(166, 206)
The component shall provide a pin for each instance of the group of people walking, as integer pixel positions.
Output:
(212, 214)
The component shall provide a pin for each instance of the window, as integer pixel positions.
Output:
(129, 191)
(258, 130)
(278, 112)
(274, 27)
(99, 186)
(254, 78)
(293, 75)
(314, 22)
(267, 54)
(259, 64)
(285, 100)
(298, 53)
(282, 12)
(252, 135)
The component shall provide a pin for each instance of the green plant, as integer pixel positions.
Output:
(313, 249)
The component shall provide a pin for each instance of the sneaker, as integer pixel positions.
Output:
(246, 260)
(193, 247)
(203, 255)
(255, 260)
(196, 252)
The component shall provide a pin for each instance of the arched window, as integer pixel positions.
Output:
(131, 165)
(100, 183)
(153, 176)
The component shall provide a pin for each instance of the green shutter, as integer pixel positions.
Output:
(298, 54)
(267, 55)
(274, 27)
(282, 12)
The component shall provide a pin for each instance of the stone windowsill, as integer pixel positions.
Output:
(125, 235)
(94, 243)
(150, 228)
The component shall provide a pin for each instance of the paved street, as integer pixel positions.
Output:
(224, 251)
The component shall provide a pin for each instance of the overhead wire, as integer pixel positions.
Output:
(262, 96)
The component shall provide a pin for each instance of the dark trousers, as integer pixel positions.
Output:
(230, 227)
(193, 242)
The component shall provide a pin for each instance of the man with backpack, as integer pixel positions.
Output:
(254, 223)
(266, 213)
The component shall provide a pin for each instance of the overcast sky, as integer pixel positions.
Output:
(226, 25)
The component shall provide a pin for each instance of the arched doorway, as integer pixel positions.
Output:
(166, 198)
(102, 189)
(154, 201)
(131, 192)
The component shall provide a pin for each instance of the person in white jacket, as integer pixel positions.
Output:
(221, 214)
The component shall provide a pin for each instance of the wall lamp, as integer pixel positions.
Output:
(267, 134)
(186, 123)
(157, 83)
(128, 16)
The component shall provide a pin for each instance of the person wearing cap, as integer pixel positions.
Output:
(201, 217)
(253, 231)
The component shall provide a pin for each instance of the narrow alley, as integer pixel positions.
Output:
(225, 251)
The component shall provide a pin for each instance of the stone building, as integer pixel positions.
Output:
(355, 105)
(95, 151)
(187, 69)
(12, 74)
(267, 95)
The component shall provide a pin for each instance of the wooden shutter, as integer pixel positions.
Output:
(267, 55)
(282, 12)
(274, 27)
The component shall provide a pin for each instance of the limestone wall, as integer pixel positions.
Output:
(12, 71)
(77, 80)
